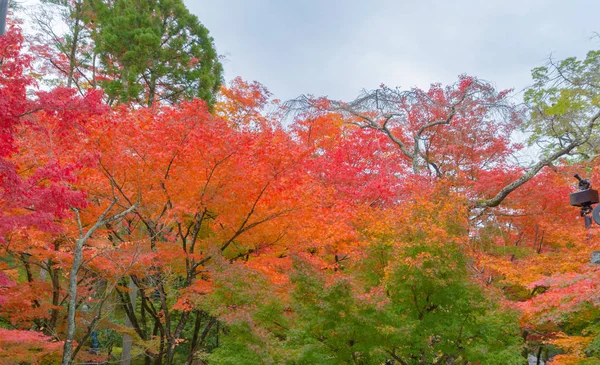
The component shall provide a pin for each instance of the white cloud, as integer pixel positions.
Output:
(336, 48)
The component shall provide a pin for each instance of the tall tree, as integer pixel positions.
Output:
(140, 52)
(154, 51)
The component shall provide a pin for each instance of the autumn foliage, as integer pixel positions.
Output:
(310, 232)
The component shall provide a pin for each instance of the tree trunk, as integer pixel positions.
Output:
(151, 89)
(172, 343)
(127, 339)
(54, 277)
(73, 53)
(77, 258)
(196, 342)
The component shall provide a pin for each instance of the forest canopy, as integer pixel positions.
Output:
(150, 214)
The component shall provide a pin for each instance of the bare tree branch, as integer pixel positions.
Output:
(77, 260)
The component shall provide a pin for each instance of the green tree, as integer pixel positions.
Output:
(140, 52)
(565, 106)
(410, 298)
(425, 313)
(154, 51)
(440, 316)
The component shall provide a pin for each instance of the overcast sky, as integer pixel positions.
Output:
(336, 48)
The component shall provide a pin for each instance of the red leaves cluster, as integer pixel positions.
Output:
(18, 347)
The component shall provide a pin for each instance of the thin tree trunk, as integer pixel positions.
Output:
(196, 342)
(73, 53)
(127, 339)
(172, 344)
(151, 89)
(44, 272)
(94, 70)
(77, 258)
(54, 272)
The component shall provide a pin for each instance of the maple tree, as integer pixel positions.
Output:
(461, 132)
(232, 207)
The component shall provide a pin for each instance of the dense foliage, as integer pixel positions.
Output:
(237, 230)
(139, 52)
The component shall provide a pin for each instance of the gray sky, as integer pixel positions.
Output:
(336, 48)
